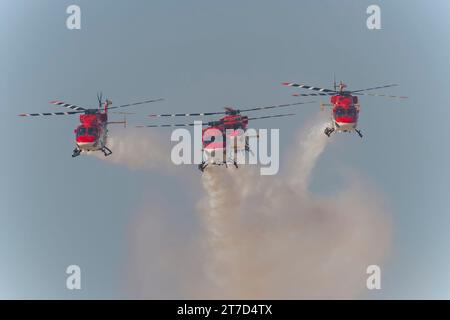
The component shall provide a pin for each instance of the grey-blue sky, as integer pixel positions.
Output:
(203, 55)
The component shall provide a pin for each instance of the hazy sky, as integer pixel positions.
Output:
(202, 56)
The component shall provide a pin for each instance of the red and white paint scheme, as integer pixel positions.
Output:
(213, 146)
(215, 138)
(230, 128)
(345, 104)
(92, 132)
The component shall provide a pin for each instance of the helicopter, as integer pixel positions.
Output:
(231, 127)
(92, 132)
(345, 104)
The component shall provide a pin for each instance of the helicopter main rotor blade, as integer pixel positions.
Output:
(375, 88)
(273, 116)
(200, 114)
(49, 114)
(169, 125)
(379, 95)
(136, 103)
(314, 94)
(211, 123)
(275, 106)
(296, 85)
(67, 105)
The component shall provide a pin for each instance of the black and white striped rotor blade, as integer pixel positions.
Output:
(275, 106)
(200, 114)
(314, 94)
(49, 114)
(67, 105)
(375, 88)
(273, 116)
(169, 125)
(136, 103)
(379, 95)
(303, 86)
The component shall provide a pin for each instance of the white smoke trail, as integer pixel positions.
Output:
(264, 237)
(138, 150)
(222, 209)
(311, 144)
(274, 240)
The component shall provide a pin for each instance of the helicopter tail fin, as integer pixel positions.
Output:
(334, 81)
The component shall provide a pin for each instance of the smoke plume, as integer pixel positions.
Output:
(256, 237)
(272, 239)
(138, 149)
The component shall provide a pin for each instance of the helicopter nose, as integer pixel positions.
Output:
(346, 125)
(87, 146)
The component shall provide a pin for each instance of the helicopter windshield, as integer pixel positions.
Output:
(351, 112)
(209, 139)
(81, 131)
(92, 131)
(340, 112)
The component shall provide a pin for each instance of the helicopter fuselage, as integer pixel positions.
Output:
(345, 112)
(91, 134)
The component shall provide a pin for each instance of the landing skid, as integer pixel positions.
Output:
(106, 151)
(247, 148)
(359, 133)
(202, 166)
(328, 131)
(234, 164)
(76, 152)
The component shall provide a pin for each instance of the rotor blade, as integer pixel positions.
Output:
(275, 106)
(49, 114)
(222, 112)
(379, 95)
(374, 88)
(292, 84)
(67, 105)
(120, 112)
(186, 114)
(273, 116)
(211, 123)
(136, 103)
(314, 94)
(169, 125)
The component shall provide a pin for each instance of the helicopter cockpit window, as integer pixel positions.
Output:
(340, 112)
(351, 112)
(92, 131)
(209, 139)
(81, 131)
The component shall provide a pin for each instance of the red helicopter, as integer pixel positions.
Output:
(91, 134)
(345, 104)
(231, 127)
